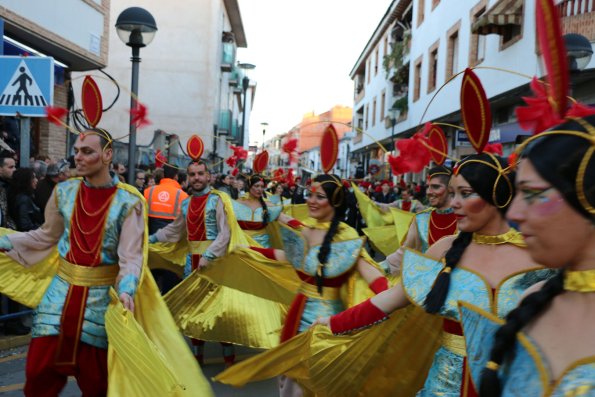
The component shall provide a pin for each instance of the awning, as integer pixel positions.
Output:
(500, 19)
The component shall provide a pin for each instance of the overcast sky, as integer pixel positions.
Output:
(303, 52)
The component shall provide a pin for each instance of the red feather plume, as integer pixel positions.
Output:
(139, 116)
(54, 114)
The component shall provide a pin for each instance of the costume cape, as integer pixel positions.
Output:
(205, 307)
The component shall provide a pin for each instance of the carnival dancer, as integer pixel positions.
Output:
(544, 348)
(98, 225)
(203, 224)
(432, 224)
(325, 255)
(208, 311)
(485, 264)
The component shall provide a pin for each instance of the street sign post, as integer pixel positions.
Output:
(27, 87)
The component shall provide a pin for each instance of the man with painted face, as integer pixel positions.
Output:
(98, 226)
(432, 224)
(202, 221)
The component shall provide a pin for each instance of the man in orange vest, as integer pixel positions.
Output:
(164, 200)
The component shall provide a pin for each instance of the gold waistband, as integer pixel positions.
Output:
(454, 343)
(256, 232)
(328, 293)
(199, 247)
(85, 276)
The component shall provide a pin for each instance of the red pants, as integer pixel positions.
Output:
(45, 379)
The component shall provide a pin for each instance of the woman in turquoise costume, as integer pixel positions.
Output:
(545, 347)
(325, 255)
(486, 264)
(254, 213)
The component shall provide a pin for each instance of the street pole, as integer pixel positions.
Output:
(25, 131)
(132, 137)
(245, 82)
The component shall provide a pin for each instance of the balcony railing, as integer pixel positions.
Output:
(568, 8)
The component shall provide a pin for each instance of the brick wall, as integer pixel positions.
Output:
(52, 138)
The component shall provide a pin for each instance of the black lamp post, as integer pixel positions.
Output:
(264, 130)
(136, 27)
(245, 85)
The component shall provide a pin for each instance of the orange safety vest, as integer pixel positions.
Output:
(165, 200)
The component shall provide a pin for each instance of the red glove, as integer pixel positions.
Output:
(268, 252)
(379, 285)
(360, 316)
(295, 224)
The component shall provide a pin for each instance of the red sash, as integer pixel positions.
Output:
(195, 223)
(87, 226)
(441, 225)
(406, 205)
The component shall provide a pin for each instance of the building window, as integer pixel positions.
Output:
(478, 41)
(368, 69)
(417, 79)
(433, 67)
(376, 62)
(452, 51)
(367, 117)
(435, 4)
(420, 11)
(382, 105)
(374, 112)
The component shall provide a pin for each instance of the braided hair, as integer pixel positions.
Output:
(336, 194)
(495, 190)
(559, 159)
(252, 180)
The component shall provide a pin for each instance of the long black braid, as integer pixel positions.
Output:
(516, 320)
(491, 186)
(437, 295)
(335, 192)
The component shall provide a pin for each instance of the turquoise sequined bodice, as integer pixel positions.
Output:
(529, 374)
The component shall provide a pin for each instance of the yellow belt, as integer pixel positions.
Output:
(256, 232)
(328, 293)
(454, 343)
(199, 247)
(86, 276)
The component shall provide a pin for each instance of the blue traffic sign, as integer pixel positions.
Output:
(26, 85)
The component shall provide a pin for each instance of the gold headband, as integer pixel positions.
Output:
(502, 174)
(582, 169)
(100, 132)
(335, 201)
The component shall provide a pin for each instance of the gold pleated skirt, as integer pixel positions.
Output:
(207, 311)
(388, 359)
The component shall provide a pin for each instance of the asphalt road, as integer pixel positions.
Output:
(12, 375)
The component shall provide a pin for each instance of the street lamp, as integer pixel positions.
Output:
(264, 130)
(245, 84)
(579, 51)
(136, 28)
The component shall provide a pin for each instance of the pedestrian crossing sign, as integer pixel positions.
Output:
(26, 84)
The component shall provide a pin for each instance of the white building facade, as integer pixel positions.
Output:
(438, 39)
(189, 78)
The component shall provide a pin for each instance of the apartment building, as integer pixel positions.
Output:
(429, 43)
